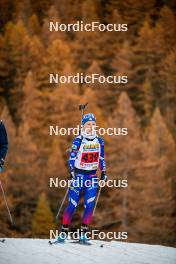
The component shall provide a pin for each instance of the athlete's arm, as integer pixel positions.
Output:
(102, 164)
(74, 150)
(3, 141)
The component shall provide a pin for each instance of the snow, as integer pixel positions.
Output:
(38, 251)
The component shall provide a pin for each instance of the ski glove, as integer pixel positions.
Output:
(1, 162)
(72, 174)
(104, 176)
(1, 165)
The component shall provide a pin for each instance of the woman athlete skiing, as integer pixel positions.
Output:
(87, 154)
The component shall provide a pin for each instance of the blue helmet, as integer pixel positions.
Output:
(88, 117)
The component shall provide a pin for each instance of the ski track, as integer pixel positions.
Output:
(38, 251)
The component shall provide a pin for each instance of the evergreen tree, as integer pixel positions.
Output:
(89, 11)
(34, 25)
(146, 99)
(160, 139)
(168, 82)
(43, 220)
(14, 49)
(47, 35)
(124, 155)
(41, 7)
(167, 23)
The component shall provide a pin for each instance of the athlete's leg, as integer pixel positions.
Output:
(90, 192)
(73, 199)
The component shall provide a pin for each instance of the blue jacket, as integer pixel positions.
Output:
(75, 148)
(3, 141)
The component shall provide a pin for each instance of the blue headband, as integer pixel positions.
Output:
(88, 117)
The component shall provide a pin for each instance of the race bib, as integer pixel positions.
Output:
(90, 157)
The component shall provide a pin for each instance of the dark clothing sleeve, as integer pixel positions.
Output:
(3, 141)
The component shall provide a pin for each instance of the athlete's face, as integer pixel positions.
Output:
(89, 127)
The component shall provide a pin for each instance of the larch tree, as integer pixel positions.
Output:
(87, 45)
(159, 191)
(43, 220)
(56, 172)
(146, 59)
(14, 50)
(40, 8)
(123, 157)
(160, 139)
(146, 101)
(168, 98)
(65, 100)
(167, 23)
(34, 25)
(101, 89)
(47, 35)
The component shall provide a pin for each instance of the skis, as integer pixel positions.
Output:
(86, 243)
(55, 242)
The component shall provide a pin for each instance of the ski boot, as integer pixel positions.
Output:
(63, 234)
(83, 239)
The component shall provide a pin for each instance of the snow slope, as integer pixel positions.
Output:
(38, 251)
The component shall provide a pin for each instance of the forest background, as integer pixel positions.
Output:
(146, 53)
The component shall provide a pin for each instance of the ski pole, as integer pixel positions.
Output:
(8, 210)
(82, 107)
(61, 205)
(96, 201)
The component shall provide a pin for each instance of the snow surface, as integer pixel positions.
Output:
(38, 251)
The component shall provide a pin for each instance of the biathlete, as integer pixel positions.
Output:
(86, 156)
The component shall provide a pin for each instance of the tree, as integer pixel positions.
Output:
(159, 195)
(168, 82)
(124, 155)
(6, 13)
(89, 11)
(56, 169)
(34, 25)
(47, 35)
(134, 13)
(35, 55)
(54, 61)
(23, 10)
(14, 49)
(167, 25)
(69, 10)
(65, 100)
(86, 46)
(146, 60)
(160, 139)
(40, 8)
(102, 91)
(43, 220)
(146, 101)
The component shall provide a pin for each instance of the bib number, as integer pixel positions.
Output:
(89, 157)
